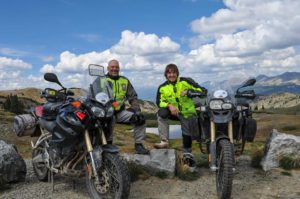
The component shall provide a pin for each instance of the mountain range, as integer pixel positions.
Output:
(265, 85)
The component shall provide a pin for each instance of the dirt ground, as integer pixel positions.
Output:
(248, 183)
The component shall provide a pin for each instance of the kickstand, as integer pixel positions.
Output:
(51, 179)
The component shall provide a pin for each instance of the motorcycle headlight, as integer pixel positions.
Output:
(215, 104)
(226, 106)
(98, 112)
(110, 111)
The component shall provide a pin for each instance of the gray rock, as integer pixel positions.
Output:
(279, 145)
(12, 165)
(159, 161)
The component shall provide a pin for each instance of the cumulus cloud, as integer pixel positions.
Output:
(251, 26)
(135, 51)
(144, 44)
(8, 63)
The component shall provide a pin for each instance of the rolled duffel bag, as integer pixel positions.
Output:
(25, 125)
(250, 129)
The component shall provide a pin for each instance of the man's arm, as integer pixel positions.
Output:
(132, 97)
(195, 86)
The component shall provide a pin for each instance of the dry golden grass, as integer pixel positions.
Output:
(123, 136)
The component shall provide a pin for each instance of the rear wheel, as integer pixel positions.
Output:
(39, 163)
(114, 179)
(225, 163)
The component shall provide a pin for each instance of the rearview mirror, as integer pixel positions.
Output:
(249, 82)
(51, 77)
(96, 70)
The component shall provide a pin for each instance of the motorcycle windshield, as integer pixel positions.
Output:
(95, 84)
(226, 89)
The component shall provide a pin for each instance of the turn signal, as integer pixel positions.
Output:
(76, 104)
(80, 115)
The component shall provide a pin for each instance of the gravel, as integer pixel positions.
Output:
(248, 183)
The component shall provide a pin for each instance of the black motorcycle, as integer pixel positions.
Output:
(226, 124)
(72, 138)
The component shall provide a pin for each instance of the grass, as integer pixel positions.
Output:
(285, 173)
(6, 116)
(289, 128)
(183, 172)
(256, 159)
(289, 162)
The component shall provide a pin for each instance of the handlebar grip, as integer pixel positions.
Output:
(192, 94)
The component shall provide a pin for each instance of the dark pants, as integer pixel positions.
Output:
(189, 127)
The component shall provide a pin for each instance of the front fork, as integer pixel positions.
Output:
(212, 156)
(96, 153)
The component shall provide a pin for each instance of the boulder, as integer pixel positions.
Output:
(12, 165)
(159, 161)
(279, 145)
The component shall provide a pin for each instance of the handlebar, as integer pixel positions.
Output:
(249, 94)
(193, 94)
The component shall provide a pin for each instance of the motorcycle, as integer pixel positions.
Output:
(226, 124)
(78, 129)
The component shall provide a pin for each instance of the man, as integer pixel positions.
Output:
(174, 103)
(124, 91)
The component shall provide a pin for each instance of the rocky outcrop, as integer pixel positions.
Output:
(12, 166)
(159, 161)
(279, 145)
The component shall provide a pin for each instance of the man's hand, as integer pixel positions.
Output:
(173, 110)
(184, 93)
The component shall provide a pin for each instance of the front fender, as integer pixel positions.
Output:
(109, 148)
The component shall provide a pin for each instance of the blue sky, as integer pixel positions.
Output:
(207, 39)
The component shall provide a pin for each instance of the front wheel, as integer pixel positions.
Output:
(113, 176)
(224, 174)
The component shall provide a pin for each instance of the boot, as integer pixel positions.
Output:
(164, 144)
(140, 149)
(189, 159)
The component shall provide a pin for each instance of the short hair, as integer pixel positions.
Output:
(173, 68)
(112, 61)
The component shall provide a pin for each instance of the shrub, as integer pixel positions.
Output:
(289, 162)
(256, 159)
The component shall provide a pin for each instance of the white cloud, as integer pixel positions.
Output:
(144, 44)
(8, 63)
(251, 26)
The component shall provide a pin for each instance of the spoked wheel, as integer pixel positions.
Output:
(224, 174)
(114, 179)
(39, 163)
